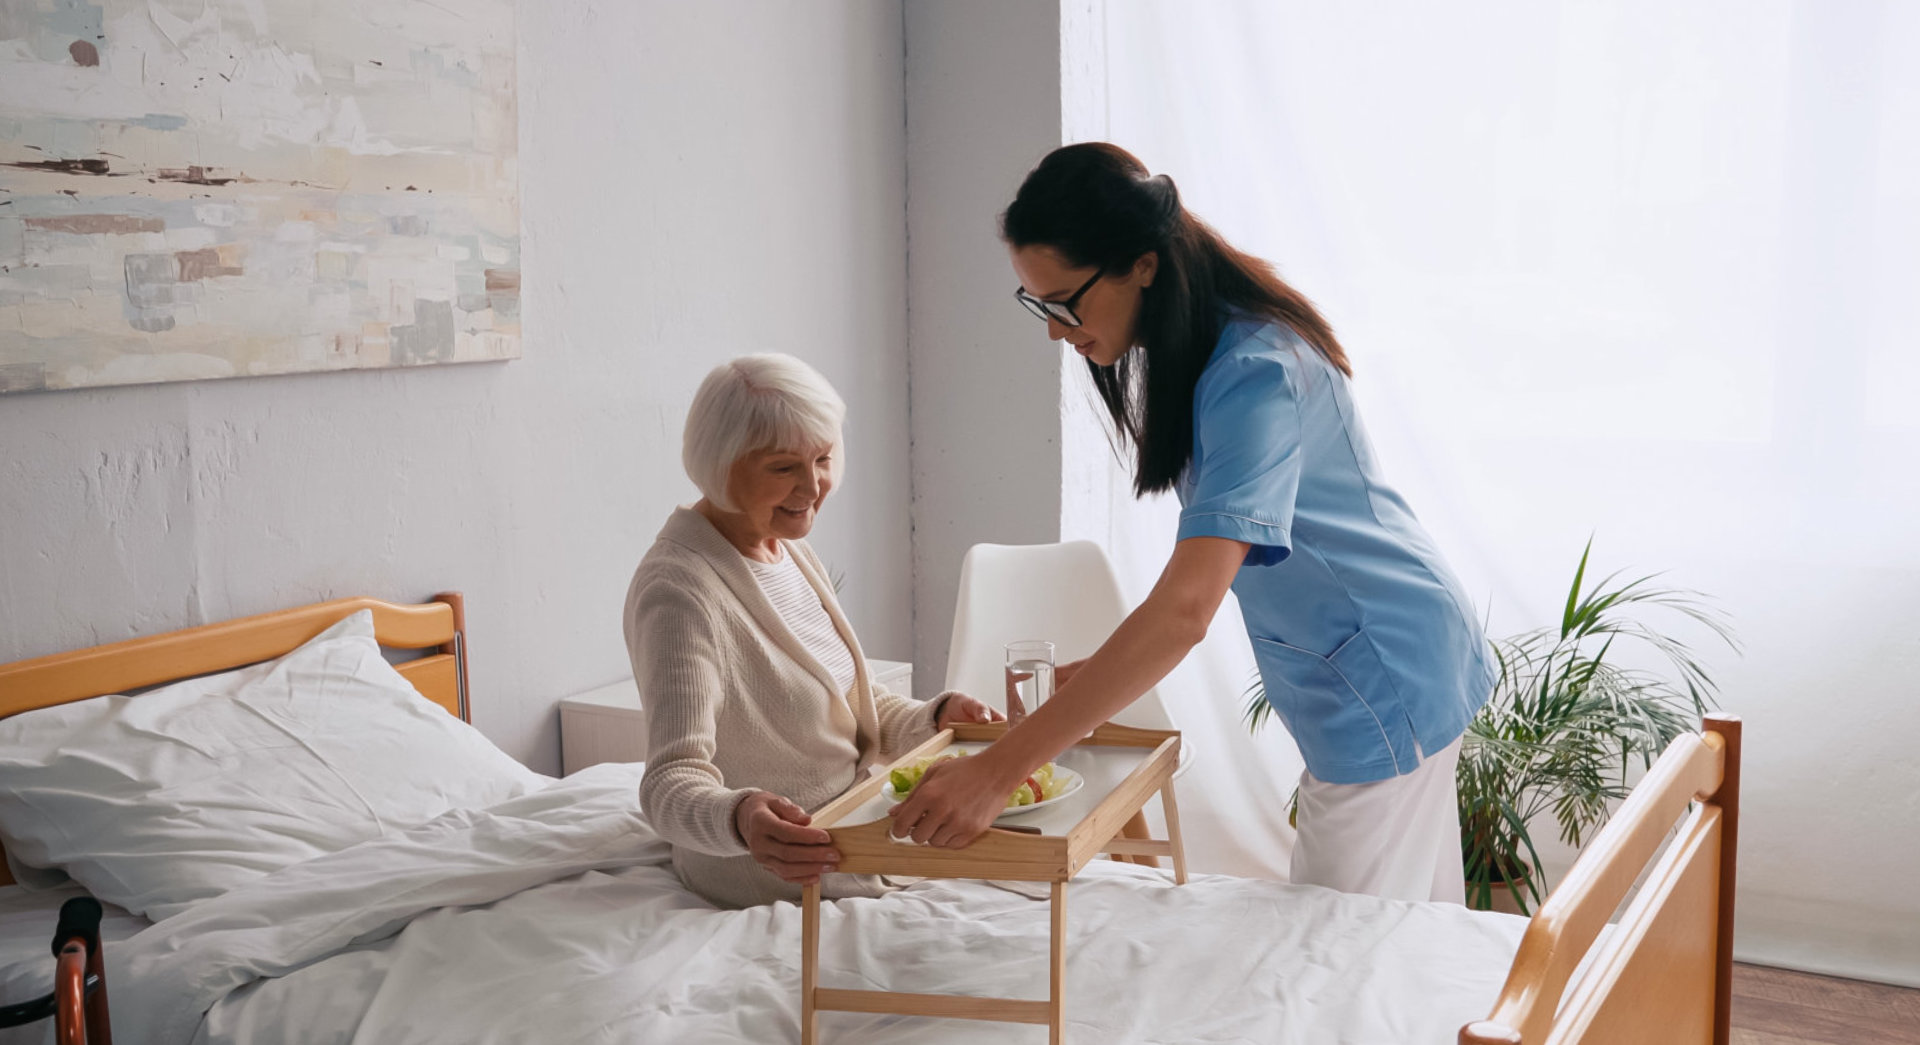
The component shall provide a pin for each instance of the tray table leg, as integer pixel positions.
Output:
(1173, 833)
(1057, 974)
(809, 963)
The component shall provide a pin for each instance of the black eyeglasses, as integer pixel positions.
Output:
(1061, 312)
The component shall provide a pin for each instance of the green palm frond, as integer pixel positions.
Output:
(1258, 709)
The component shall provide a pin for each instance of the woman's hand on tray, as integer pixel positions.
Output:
(962, 708)
(956, 801)
(777, 834)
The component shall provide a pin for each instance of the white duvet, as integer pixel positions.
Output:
(555, 918)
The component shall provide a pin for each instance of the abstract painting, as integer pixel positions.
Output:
(196, 189)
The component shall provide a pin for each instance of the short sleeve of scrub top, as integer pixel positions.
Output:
(1245, 472)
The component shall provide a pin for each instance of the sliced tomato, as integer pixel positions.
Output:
(1038, 795)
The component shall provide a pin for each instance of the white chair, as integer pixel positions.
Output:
(1064, 593)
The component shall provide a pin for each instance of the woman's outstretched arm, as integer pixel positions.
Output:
(958, 800)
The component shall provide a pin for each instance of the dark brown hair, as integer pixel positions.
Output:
(1096, 205)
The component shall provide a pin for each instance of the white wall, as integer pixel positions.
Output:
(983, 106)
(1008, 445)
(694, 185)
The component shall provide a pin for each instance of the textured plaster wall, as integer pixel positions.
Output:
(695, 185)
(983, 106)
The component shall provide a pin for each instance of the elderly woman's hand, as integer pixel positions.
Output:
(961, 708)
(777, 835)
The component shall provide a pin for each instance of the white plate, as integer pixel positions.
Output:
(1069, 780)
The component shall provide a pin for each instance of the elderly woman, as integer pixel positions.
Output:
(759, 701)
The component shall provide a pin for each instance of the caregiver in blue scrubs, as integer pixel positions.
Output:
(1232, 392)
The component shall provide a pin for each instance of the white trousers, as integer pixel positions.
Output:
(1397, 838)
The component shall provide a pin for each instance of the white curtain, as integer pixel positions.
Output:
(1632, 269)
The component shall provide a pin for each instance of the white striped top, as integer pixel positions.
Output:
(799, 605)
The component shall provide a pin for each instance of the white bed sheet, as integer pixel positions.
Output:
(27, 920)
(555, 918)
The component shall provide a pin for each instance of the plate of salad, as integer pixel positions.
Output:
(1048, 784)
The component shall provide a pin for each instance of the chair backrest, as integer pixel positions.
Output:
(1064, 593)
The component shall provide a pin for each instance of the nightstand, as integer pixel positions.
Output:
(607, 725)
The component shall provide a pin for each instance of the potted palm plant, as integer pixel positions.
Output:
(1570, 714)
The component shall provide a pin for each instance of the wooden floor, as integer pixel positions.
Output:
(1777, 1007)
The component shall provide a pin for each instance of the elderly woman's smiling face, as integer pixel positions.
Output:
(777, 493)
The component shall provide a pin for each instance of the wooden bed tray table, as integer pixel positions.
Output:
(1123, 766)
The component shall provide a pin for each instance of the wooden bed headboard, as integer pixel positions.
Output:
(439, 625)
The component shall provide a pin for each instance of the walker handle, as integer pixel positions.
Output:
(79, 917)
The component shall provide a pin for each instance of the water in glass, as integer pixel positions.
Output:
(1029, 684)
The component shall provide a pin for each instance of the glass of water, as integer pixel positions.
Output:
(1029, 677)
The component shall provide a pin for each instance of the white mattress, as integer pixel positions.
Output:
(27, 920)
(555, 918)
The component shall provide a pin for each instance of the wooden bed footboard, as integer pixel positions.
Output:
(437, 625)
(1664, 976)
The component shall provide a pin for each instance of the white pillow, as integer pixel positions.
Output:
(158, 801)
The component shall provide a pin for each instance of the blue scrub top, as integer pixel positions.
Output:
(1367, 645)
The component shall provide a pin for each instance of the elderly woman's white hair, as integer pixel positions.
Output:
(763, 402)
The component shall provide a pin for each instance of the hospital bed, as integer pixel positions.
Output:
(472, 900)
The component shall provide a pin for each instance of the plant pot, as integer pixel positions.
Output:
(1502, 899)
(1500, 894)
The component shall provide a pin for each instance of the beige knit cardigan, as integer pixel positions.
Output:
(736, 704)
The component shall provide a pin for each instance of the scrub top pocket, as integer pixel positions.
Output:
(1319, 698)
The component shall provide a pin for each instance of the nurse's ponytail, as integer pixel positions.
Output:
(1098, 207)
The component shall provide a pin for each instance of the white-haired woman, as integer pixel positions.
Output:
(760, 705)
